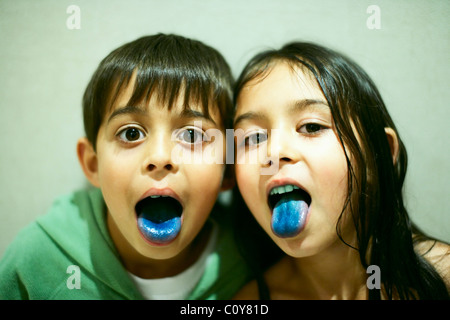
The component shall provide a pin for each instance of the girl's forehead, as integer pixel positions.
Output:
(280, 85)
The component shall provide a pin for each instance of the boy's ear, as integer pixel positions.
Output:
(393, 143)
(88, 160)
(228, 180)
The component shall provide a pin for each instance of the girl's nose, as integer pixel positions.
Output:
(283, 147)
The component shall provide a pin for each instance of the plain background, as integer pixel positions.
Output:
(45, 67)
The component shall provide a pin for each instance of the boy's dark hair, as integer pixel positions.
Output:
(374, 196)
(168, 65)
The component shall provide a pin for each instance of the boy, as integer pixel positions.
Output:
(144, 231)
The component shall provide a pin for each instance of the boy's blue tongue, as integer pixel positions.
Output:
(159, 220)
(289, 215)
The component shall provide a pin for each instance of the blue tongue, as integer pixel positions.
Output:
(289, 215)
(159, 220)
(159, 232)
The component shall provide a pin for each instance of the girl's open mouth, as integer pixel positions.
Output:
(159, 218)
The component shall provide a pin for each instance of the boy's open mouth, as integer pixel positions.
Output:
(159, 218)
(290, 206)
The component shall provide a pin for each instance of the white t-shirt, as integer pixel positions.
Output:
(179, 286)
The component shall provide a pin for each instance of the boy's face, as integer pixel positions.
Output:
(138, 156)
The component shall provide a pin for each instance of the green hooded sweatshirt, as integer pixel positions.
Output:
(73, 238)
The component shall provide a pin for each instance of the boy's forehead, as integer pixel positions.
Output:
(178, 108)
(131, 96)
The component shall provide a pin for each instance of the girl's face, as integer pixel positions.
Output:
(284, 116)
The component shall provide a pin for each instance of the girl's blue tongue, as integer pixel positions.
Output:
(289, 216)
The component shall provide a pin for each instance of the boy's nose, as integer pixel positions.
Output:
(152, 167)
(159, 155)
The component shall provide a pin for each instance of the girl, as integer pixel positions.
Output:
(328, 190)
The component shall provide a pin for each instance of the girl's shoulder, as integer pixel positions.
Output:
(248, 292)
(438, 255)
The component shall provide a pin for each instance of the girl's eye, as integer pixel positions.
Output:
(131, 134)
(255, 139)
(191, 136)
(311, 128)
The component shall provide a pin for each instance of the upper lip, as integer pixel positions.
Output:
(161, 192)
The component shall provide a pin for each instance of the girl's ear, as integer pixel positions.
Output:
(88, 160)
(228, 180)
(393, 143)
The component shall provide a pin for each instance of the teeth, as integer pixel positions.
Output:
(155, 196)
(283, 189)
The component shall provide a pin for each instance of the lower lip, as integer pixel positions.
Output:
(158, 244)
(166, 192)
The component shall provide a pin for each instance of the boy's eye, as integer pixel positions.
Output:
(255, 139)
(131, 134)
(191, 136)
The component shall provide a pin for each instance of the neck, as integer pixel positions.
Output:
(148, 268)
(336, 273)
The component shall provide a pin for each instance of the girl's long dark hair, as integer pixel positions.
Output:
(375, 182)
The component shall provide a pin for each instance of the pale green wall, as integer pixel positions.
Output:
(44, 68)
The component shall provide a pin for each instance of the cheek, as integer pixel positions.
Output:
(248, 179)
(203, 179)
(332, 164)
(202, 185)
(330, 174)
(116, 174)
(334, 179)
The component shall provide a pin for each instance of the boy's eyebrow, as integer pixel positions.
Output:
(127, 110)
(186, 113)
(189, 113)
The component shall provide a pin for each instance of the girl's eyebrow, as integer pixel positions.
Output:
(251, 115)
(298, 105)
